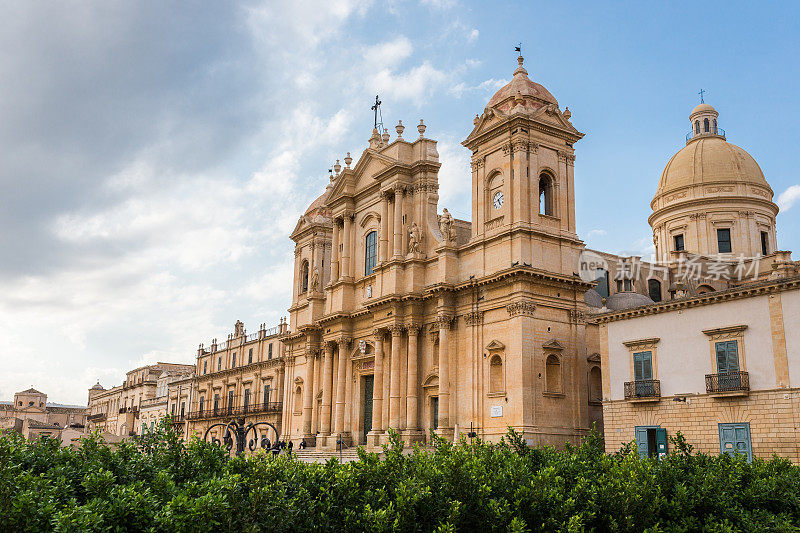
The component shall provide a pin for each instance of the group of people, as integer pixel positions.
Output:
(281, 445)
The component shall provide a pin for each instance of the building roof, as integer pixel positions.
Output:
(524, 86)
(30, 391)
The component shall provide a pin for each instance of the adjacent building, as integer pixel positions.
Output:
(720, 360)
(30, 414)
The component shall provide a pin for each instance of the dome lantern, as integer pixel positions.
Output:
(703, 123)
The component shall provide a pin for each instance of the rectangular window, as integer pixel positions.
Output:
(678, 242)
(269, 351)
(628, 284)
(724, 240)
(370, 252)
(643, 373)
(250, 356)
(233, 361)
(173, 409)
(230, 399)
(205, 367)
(246, 398)
(219, 363)
(202, 401)
(728, 375)
(734, 439)
(266, 394)
(216, 403)
(183, 409)
(764, 243)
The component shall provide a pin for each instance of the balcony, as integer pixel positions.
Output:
(713, 132)
(96, 417)
(234, 411)
(643, 390)
(728, 384)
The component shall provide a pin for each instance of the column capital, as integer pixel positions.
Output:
(522, 307)
(379, 333)
(413, 328)
(344, 341)
(473, 318)
(396, 329)
(398, 188)
(444, 321)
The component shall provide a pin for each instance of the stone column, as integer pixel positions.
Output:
(346, 267)
(412, 422)
(335, 252)
(384, 236)
(308, 400)
(341, 382)
(377, 384)
(281, 376)
(444, 370)
(394, 392)
(398, 221)
(348, 397)
(327, 384)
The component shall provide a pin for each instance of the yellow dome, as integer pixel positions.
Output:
(710, 160)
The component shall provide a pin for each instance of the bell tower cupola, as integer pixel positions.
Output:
(523, 174)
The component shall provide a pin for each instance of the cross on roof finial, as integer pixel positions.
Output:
(376, 109)
(701, 96)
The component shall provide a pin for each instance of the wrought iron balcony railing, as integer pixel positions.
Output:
(713, 131)
(231, 411)
(96, 416)
(643, 388)
(728, 382)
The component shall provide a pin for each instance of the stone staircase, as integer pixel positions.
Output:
(312, 455)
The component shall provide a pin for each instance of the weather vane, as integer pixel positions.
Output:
(701, 96)
(518, 49)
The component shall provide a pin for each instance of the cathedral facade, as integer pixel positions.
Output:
(404, 317)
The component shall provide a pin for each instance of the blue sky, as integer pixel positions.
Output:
(157, 155)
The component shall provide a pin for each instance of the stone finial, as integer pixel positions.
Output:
(385, 136)
(476, 119)
(337, 167)
(518, 97)
(348, 160)
(399, 129)
(421, 128)
(567, 113)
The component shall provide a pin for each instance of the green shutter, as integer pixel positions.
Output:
(641, 440)
(661, 441)
(642, 366)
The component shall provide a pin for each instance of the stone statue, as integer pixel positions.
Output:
(446, 226)
(314, 280)
(414, 238)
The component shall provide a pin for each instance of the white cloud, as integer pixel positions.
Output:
(389, 53)
(473, 35)
(595, 233)
(788, 198)
(439, 4)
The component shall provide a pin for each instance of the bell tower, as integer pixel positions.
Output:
(523, 175)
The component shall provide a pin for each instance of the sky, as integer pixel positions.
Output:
(155, 156)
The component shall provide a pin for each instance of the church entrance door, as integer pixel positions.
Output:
(369, 382)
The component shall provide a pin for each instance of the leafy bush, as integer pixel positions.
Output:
(160, 483)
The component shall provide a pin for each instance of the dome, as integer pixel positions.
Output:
(593, 298)
(318, 206)
(97, 386)
(703, 108)
(710, 160)
(521, 84)
(627, 300)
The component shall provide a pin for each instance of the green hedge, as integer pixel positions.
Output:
(162, 484)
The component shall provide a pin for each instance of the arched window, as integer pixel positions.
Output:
(370, 252)
(595, 384)
(705, 125)
(715, 126)
(496, 374)
(304, 277)
(704, 289)
(601, 275)
(654, 289)
(697, 126)
(546, 206)
(553, 373)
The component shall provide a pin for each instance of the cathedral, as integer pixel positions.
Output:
(404, 317)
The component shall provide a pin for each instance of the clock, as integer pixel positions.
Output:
(497, 200)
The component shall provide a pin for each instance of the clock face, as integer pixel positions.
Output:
(497, 200)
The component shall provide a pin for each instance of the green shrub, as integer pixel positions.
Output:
(160, 483)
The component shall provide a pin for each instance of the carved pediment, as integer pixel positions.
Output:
(594, 358)
(495, 346)
(553, 344)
